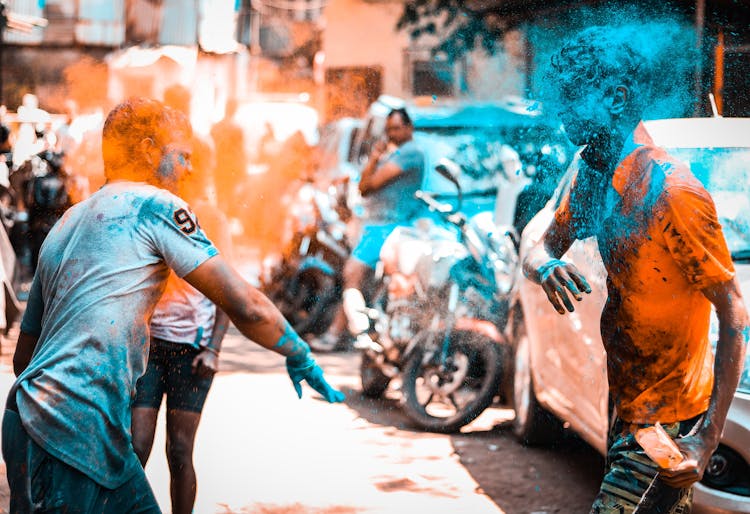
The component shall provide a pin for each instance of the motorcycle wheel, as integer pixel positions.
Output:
(444, 400)
(374, 381)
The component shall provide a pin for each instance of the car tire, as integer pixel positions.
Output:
(533, 425)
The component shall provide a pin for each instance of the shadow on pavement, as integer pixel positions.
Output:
(292, 509)
(384, 411)
(562, 478)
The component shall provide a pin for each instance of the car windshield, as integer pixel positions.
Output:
(475, 150)
(725, 173)
(480, 150)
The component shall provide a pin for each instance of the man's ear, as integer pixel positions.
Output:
(620, 99)
(147, 148)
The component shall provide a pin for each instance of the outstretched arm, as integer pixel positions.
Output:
(258, 319)
(730, 356)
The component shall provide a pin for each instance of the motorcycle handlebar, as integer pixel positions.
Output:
(445, 210)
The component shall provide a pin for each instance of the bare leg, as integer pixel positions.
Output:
(349, 317)
(181, 428)
(143, 427)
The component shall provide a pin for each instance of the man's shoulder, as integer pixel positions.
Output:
(670, 180)
(664, 170)
(409, 155)
(147, 199)
(410, 146)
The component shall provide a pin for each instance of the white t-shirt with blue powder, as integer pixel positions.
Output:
(102, 269)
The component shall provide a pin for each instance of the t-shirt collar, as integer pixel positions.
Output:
(624, 170)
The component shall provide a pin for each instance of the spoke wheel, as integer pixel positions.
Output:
(444, 397)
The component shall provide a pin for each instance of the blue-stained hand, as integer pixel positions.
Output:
(306, 368)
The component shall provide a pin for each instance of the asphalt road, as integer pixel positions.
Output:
(260, 450)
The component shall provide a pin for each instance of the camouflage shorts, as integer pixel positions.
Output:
(630, 472)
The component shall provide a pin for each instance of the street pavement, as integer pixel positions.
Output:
(260, 449)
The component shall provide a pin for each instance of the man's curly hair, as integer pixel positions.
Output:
(134, 120)
(599, 57)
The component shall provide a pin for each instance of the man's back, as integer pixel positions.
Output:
(101, 271)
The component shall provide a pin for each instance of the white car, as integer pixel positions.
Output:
(559, 376)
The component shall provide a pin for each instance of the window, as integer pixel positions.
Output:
(100, 22)
(432, 78)
(426, 74)
(90, 22)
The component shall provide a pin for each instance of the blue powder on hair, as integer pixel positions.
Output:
(663, 46)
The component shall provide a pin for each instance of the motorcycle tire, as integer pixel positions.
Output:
(374, 381)
(483, 373)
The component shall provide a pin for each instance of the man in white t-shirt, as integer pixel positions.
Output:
(84, 336)
(187, 331)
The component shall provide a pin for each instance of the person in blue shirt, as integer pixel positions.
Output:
(84, 339)
(393, 173)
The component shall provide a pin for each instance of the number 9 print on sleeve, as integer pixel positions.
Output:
(184, 220)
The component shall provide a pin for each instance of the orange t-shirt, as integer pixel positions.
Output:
(661, 243)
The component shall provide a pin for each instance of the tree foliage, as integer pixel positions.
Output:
(461, 25)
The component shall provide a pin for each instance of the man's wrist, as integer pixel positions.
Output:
(210, 349)
(546, 269)
(709, 434)
(291, 346)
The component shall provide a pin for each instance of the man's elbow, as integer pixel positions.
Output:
(249, 308)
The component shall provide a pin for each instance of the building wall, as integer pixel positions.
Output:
(359, 33)
(54, 74)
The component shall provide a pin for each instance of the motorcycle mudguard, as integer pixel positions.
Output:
(480, 326)
(316, 263)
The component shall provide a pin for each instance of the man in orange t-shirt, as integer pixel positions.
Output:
(667, 263)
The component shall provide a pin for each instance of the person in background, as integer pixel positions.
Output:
(667, 263)
(391, 176)
(84, 338)
(231, 160)
(187, 331)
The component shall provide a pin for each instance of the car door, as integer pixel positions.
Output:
(568, 362)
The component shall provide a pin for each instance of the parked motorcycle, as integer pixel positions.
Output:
(307, 282)
(439, 314)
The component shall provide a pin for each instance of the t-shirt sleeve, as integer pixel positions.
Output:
(408, 157)
(694, 237)
(175, 234)
(31, 323)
